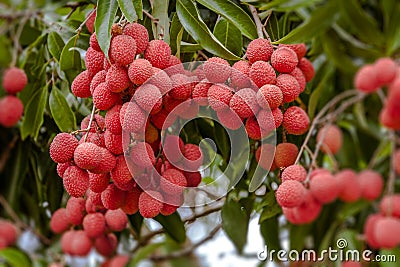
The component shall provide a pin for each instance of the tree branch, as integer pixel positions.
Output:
(257, 21)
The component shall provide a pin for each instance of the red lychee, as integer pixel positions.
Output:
(80, 86)
(244, 103)
(295, 121)
(284, 60)
(217, 70)
(350, 187)
(371, 184)
(219, 96)
(149, 98)
(75, 210)
(332, 139)
(289, 86)
(76, 181)
(324, 188)
(365, 79)
(139, 33)
(14, 80)
(158, 53)
(140, 70)
(285, 154)
(11, 110)
(113, 198)
(94, 61)
(150, 204)
(62, 147)
(294, 172)
(87, 156)
(58, 223)
(259, 49)
(117, 78)
(290, 194)
(269, 96)
(123, 49)
(262, 73)
(103, 98)
(116, 220)
(307, 68)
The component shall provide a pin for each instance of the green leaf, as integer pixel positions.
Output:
(298, 234)
(351, 237)
(270, 232)
(235, 223)
(392, 257)
(139, 8)
(105, 15)
(234, 14)
(70, 59)
(321, 20)
(55, 44)
(33, 118)
(189, 17)
(61, 111)
(14, 257)
(128, 9)
(363, 26)
(351, 209)
(160, 12)
(174, 227)
(229, 35)
(143, 253)
(285, 5)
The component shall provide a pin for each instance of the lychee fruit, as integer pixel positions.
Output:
(219, 96)
(117, 78)
(324, 188)
(217, 70)
(97, 79)
(112, 121)
(123, 49)
(121, 175)
(396, 159)
(98, 182)
(87, 156)
(299, 49)
(193, 179)
(62, 147)
(90, 21)
(284, 60)
(285, 154)
(371, 184)
(103, 98)
(161, 79)
(132, 117)
(265, 156)
(11, 110)
(94, 61)
(113, 198)
(80, 86)
(259, 49)
(295, 121)
(289, 86)
(294, 172)
(193, 157)
(94, 43)
(240, 74)
(158, 53)
(58, 223)
(150, 204)
(331, 137)
(131, 205)
(113, 142)
(350, 188)
(365, 79)
(229, 119)
(369, 230)
(351, 264)
(390, 205)
(386, 70)
(75, 210)
(262, 73)
(253, 129)
(200, 91)
(107, 162)
(80, 244)
(290, 194)
(76, 181)
(244, 103)
(139, 71)
(181, 87)
(300, 78)
(149, 98)
(269, 96)
(62, 167)
(163, 119)
(98, 123)
(307, 68)
(139, 33)
(387, 232)
(142, 155)
(14, 80)
(116, 220)
(106, 244)
(172, 148)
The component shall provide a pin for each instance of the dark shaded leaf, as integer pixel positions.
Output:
(136, 221)
(55, 44)
(139, 8)
(70, 59)
(34, 111)
(270, 231)
(174, 227)
(128, 9)
(229, 36)
(235, 223)
(234, 14)
(285, 5)
(15, 257)
(105, 15)
(392, 257)
(61, 111)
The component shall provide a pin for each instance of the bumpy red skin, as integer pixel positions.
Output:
(142, 155)
(294, 172)
(62, 147)
(59, 221)
(253, 129)
(390, 115)
(113, 198)
(193, 157)
(11, 110)
(369, 230)
(122, 176)
(106, 244)
(172, 148)
(290, 194)
(265, 156)
(149, 98)
(386, 70)
(123, 49)
(161, 79)
(139, 33)
(76, 181)
(103, 98)
(116, 220)
(244, 103)
(387, 232)
(140, 70)
(97, 79)
(332, 139)
(98, 182)
(112, 121)
(266, 121)
(181, 87)
(94, 43)
(285, 154)
(325, 188)
(200, 91)
(217, 70)
(262, 73)
(90, 21)
(163, 119)
(229, 119)
(94, 61)
(131, 205)
(114, 143)
(307, 68)
(219, 96)
(117, 78)
(307, 212)
(80, 244)
(350, 187)
(132, 117)
(98, 123)
(149, 206)
(94, 224)
(299, 49)
(8, 232)
(14, 80)
(240, 74)
(295, 121)
(289, 86)
(80, 86)
(300, 78)
(366, 79)
(193, 179)
(284, 60)
(62, 167)
(390, 205)
(87, 156)
(269, 97)
(259, 49)
(158, 53)
(278, 117)
(75, 210)
(107, 162)
(371, 184)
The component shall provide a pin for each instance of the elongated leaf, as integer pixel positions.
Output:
(363, 26)
(55, 44)
(234, 14)
(128, 9)
(321, 20)
(139, 8)
(235, 223)
(392, 257)
(61, 111)
(195, 26)
(285, 5)
(160, 11)
(229, 36)
(34, 111)
(270, 231)
(14, 257)
(105, 15)
(70, 59)
(144, 253)
(174, 227)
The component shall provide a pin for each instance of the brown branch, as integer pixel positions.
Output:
(153, 19)
(6, 153)
(257, 21)
(187, 250)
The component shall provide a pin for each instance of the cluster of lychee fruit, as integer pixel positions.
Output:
(385, 72)
(11, 107)
(83, 226)
(8, 234)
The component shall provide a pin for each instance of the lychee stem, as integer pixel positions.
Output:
(78, 31)
(257, 21)
(90, 122)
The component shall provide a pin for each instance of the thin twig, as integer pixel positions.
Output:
(155, 20)
(78, 31)
(257, 21)
(187, 250)
(90, 123)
